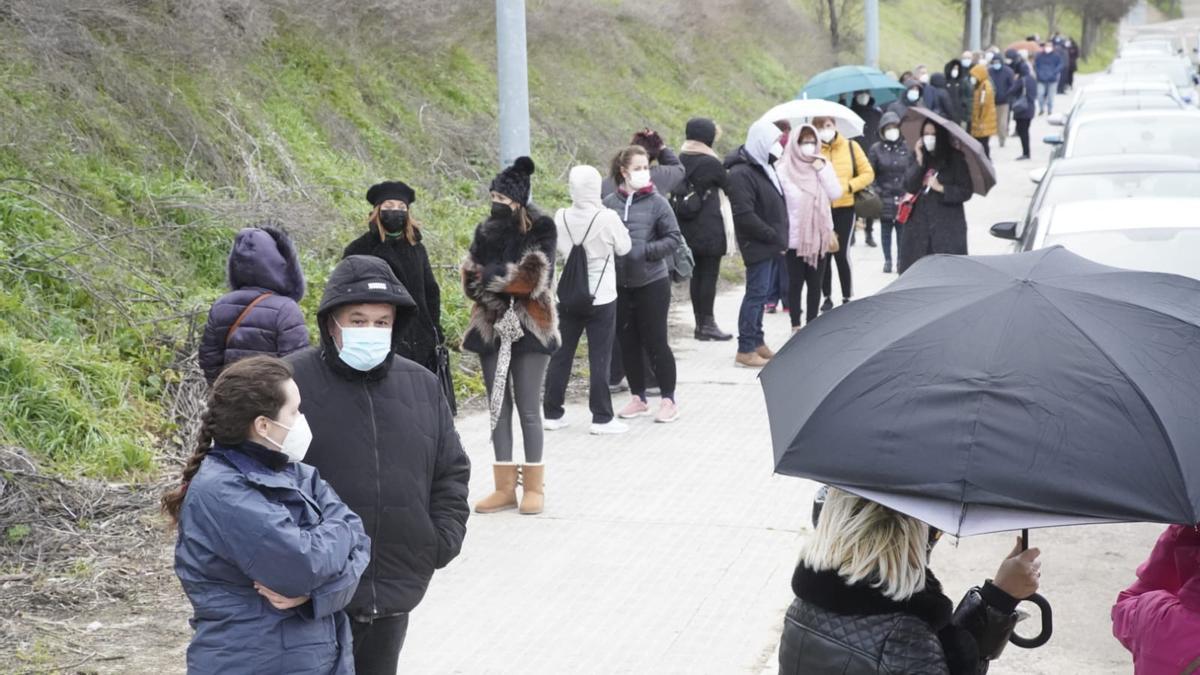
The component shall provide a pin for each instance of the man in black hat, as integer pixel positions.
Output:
(384, 438)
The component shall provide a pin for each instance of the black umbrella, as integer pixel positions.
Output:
(983, 174)
(996, 393)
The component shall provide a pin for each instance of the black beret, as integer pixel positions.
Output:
(391, 189)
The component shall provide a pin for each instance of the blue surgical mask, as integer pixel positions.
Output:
(364, 348)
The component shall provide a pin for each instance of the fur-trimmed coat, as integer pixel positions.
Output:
(504, 265)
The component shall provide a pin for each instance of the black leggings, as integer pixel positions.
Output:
(843, 223)
(704, 284)
(1023, 133)
(642, 326)
(799, 274)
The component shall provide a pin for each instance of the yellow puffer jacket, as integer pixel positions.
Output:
(837, 154)
(983, 112)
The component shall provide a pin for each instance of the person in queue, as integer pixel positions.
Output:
(941, 181)
(855, 174)
(890, 158)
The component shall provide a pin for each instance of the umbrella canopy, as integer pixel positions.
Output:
(802, 111)
(836, 82)
(1028, 45)
(983, 173)
(1003, 392)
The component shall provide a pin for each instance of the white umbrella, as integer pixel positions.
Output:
(802, 111)
(966, 520)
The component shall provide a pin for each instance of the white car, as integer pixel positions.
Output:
(1179, 69)
(1127, 85)
(1146, 233)
(1146, 132)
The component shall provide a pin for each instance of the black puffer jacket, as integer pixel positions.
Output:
(890, 160)
(759, 211)
(654, 234)
(410, 262)
(385, 440)
(705, 234)
(835, 627)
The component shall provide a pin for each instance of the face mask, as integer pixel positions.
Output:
(930, 142)
(295, 444)
(808, 149)
(863, 99)
(996, 66)
(393, 220)
(365, 348)
(924, 78)
(827, 135)
(912, 95)
(1048, 51)
(638, 179)
(501, 211)
(892, 135)
(777, 150)
(966, 63)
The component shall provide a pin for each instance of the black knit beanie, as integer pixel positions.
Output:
(381, 192)
(701, 129)
(513, 182)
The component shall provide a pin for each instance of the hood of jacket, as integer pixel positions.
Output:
(949, 69)
(760, 138)
(889, 118)
(264, 257)
(360, 279)
(584, 182)
(937, 81)
(980, 73)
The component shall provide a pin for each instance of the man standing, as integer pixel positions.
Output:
(1048, 67)
(384, 438)
(760, 222)
(1002, 80)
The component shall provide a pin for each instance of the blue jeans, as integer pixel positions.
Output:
(779, 283)
(760, 276)
(1046, 96)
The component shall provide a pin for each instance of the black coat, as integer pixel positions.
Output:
(961, 92)
(705, 234)
(870, 114)
(385, 440)
(938, 223)
(938, 99)
(836, 627)
(410, 263)
(759, 211)
(1025, 85)
(890, 162)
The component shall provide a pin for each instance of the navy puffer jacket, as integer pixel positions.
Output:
(246, 519)
(263, 260)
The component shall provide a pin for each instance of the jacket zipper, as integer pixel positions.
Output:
(378, 507)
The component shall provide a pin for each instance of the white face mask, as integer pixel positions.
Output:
(827, 135)
(912, 95)
(808, 149)
(639, 179)
(930, 142)
(863, 99)
(891, 135)
(777, 150)
(295, 444)
(924, 78)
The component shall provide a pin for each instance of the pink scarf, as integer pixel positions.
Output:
(806, 192)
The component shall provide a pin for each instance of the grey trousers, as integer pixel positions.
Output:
(526, 375)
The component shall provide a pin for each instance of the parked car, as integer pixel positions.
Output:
(1107, 177)
(1155, 234)
(1147, 47)
(1155, 132)
(1099, 104)
(1178, 68)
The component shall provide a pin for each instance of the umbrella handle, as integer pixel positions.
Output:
(1047, 625)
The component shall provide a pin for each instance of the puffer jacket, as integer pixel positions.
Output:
(654, 234)
(837, 154)
(890, 161)
(1002, 79)
(504, 267)
(938, 99)
(1048, 67)
(1158, 618)
(385, 440)
(760, 218)
(263, 260)
(836, 627)
(983, 107)
(410, 262)
(249, 515)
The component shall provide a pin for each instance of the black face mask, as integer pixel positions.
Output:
(501, 211)
(393, 220)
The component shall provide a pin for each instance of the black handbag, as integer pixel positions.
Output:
(446, 377)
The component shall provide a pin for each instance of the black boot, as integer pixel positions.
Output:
(871, 239)
(709, 331)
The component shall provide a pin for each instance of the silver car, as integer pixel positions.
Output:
(1155, 132)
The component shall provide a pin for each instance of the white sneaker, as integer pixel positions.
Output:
(611, 428)
(555, 425)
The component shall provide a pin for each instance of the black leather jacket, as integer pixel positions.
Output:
(835, 627)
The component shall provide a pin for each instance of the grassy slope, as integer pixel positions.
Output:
(131, 162)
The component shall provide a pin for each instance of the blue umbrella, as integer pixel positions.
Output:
(835, 82)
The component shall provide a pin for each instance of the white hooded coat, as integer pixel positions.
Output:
(607, 239)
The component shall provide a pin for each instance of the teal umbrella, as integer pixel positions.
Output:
(845, 80)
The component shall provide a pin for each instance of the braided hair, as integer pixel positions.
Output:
(245, 391)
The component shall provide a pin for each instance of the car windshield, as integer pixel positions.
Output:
(1176, 70)
(1087, 187)
(1168, 249)
(1145, 134)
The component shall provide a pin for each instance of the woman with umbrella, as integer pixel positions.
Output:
(866, 601)
(941, 181)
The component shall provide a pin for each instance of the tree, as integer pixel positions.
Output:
(840, 17)
(1095, 15)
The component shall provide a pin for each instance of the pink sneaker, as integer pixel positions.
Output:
(667, 412)
(636, 408)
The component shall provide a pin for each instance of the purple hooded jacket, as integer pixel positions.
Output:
(262, 260)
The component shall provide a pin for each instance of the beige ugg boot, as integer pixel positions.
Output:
(533, 495)
(505, 496)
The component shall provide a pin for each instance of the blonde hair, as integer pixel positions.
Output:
(865, 541)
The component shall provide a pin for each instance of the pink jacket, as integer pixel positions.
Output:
(1158, 617)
